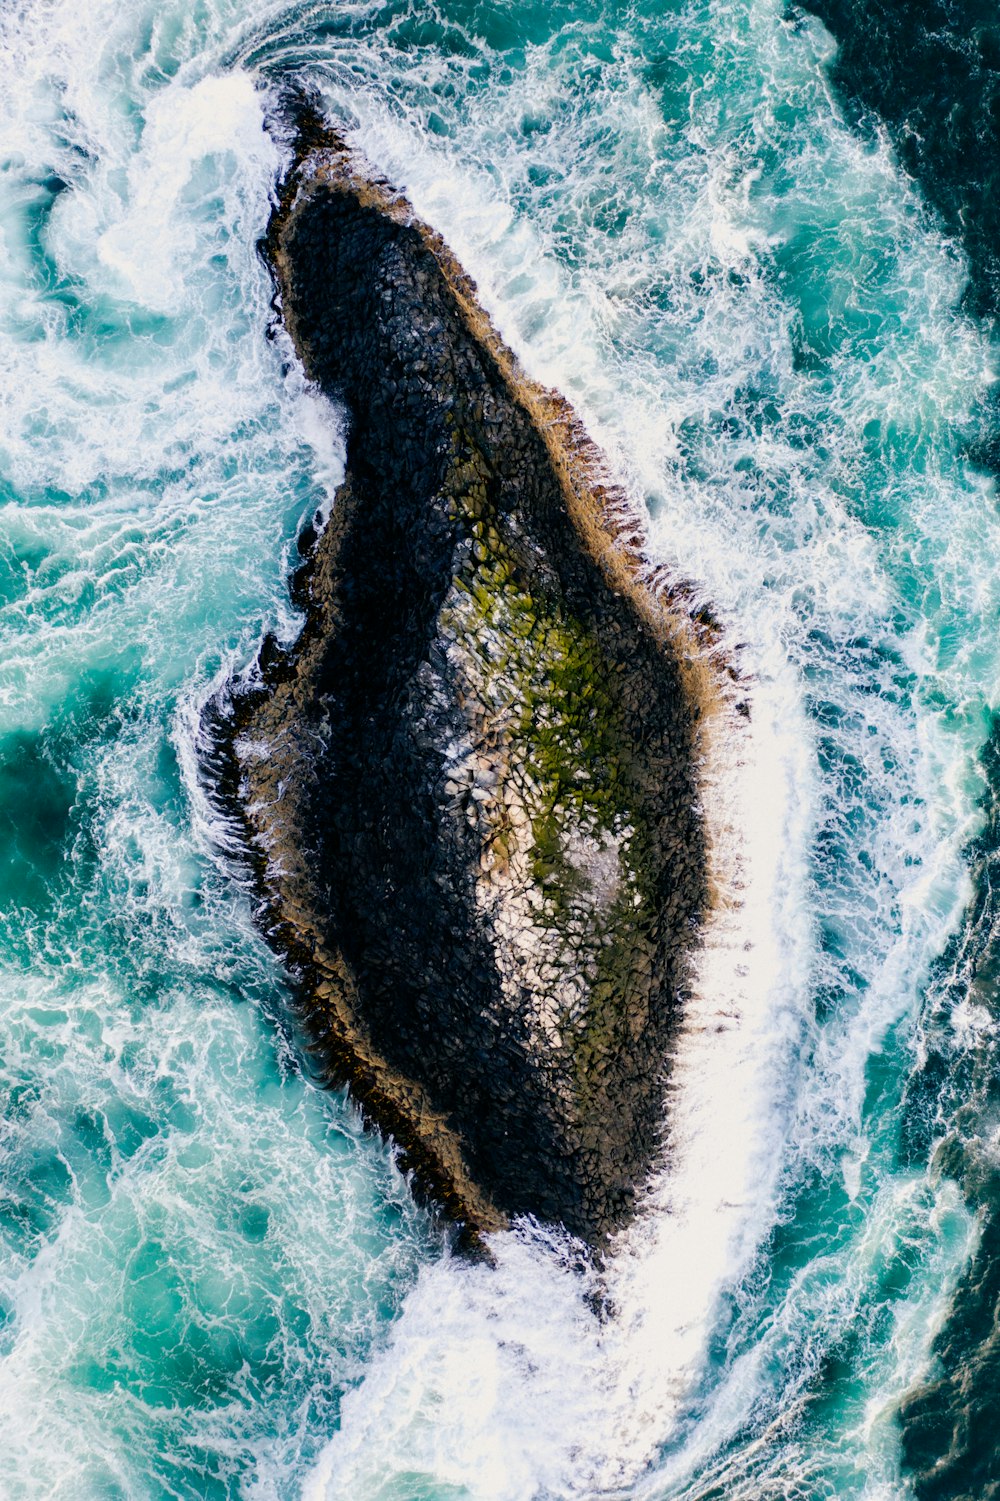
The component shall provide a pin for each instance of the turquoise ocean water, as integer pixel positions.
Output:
(213, 1283)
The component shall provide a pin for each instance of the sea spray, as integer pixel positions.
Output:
(671, 220)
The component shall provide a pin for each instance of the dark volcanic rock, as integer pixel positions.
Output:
(471, 782)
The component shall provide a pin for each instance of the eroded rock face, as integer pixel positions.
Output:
(470, 783)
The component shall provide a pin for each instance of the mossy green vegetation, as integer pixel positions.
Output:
(547, 693)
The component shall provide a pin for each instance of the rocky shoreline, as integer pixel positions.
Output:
(469, 790)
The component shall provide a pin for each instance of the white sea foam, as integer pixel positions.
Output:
(745, 305)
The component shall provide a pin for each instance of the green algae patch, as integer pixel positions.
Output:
(564, 735)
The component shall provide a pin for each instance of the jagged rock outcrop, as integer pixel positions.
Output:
(470, 785)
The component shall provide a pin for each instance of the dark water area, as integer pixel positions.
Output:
(930, 74)
(930, 71)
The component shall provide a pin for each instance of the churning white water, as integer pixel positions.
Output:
(212, 1283)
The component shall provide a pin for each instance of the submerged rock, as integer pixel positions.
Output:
(470, 784)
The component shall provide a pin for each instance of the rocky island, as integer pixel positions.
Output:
(469, 789)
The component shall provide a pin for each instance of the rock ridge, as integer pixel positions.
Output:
(469, 789)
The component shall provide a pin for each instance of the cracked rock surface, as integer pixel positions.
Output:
(470, 784)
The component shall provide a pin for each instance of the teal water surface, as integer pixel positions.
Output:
(213, 1283)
